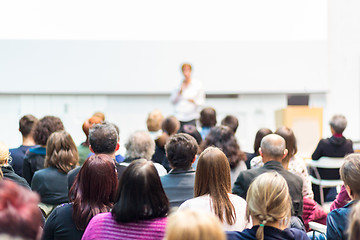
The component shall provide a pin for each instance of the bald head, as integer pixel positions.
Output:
(273, 147)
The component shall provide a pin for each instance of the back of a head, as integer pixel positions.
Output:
(170, 125)
(181, 150)
(290, 140)
(154, 121)
(268, 201)
(89, 123)
(140, 194)
(4, 154)
(350, 172)
(231, 121)
(61, 152)
(140, 145)
(192, 131)
(103, 138)
(45, 127)
(223, 137)
(19, 211)
(213, 177)
(95, 184)
(208, 117)
(192, 225)
(99, 115)
(27, 124)
(260, 134)
(338, 123)
(273, 146)
(354, 223)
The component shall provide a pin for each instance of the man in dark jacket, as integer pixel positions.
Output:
(273, 151)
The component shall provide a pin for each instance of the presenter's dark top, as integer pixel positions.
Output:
(33, 161)
(17, 155)
(270, 233)
(294, 182)
(60, 225)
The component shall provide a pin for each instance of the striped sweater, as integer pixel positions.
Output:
(104, 226)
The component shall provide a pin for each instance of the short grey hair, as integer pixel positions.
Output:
(273, 145)
(338, 123)
(140, 145)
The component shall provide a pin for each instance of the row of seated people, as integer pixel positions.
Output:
(61, 157)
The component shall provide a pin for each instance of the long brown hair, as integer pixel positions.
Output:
(213, 177)
(290, 140)
(61, 152)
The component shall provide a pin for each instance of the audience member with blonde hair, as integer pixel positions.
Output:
(193, 225)
(61, 157)
(269, 206)
(212, 191)
(7, 171)
(354, 225)
(338, 220)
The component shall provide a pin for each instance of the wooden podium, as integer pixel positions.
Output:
(307, 124)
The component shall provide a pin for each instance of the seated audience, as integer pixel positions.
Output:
(34, 159)
(140, 208)
(19, 212)
(291, 162)
(269, 205)
(103, 139)
(7, 170)
(92, 193)
(231, 121)
(212, 191)
(207, 121)
(273, 151)
(61, 157)
(338, 220)
(83, 148)
(193, 225)
(178, 184)
(170, 126)
(140, 145)
(335, 146)
(262, 132)
(354, 225)
(26, 127)
(224, 138)
(192, 131)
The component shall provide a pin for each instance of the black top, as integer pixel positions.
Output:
(333, 147)
(270, 233)
(9, 173)
(60, 225)
(33, 161)
(294, 182)
(17, 155)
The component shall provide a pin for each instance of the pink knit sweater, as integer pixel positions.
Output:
(104, 226)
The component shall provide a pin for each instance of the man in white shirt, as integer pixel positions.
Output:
(188, 98)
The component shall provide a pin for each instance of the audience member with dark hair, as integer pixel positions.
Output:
(170, 126)
(26, 127)
(83, 148)
(178, 184)
(231, 121)
(269, 206)
(51, 182)
(103, 139)
(193, 225)
(34, 159)
(192, 131)
(212, 191)
(223, 137)
(338, 220)
(335, 146)
(92, 193)
(207, 121)
(140, 145)
(140, 208)
(262, 132)
(19, 212)
(273, 151)
(6, 170)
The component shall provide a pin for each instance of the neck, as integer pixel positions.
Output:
(28, 141)
(276, 224)
(187, 80)
(268, 159)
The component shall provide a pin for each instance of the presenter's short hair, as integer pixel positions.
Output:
(186, 65)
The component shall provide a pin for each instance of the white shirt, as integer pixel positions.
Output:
(204, 203)
(184, 109)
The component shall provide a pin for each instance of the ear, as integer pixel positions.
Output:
(260, 152)
(117, 147)
(285, 153)
(91, 149)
